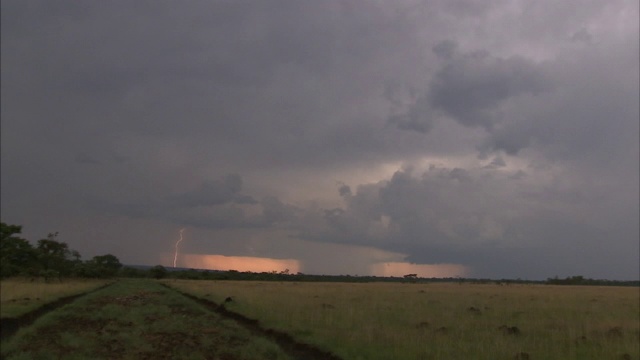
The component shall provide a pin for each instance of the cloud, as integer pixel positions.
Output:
(497, 162)
(486, 217)
(344, 190)
(445, 49)
(568, 122)
(95, 159)
(214, 192)
(215, 204)
(86, 159)
(275, 211)
(418, 118)
(470, 86)
(131, 118)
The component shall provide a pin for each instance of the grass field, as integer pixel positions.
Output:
(441, 321)
(20, 296)
(137, 319)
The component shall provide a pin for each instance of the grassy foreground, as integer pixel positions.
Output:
(441, 321)
(20, 296)
(137, 319)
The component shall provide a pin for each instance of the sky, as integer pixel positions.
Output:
(488, 139)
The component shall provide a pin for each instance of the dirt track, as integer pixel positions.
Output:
(295, 349)
(9, 326)
(153, 323)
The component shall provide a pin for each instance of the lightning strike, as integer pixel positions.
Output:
(175, 256)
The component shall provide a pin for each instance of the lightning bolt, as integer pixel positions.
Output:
(175, 256)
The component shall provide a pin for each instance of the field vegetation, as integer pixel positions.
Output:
(137, 319)
(19, 296)
(440, 321)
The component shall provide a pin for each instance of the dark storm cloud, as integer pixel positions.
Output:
(418, 118)
(262, 85)
(470, 86)
(214, 192)
(488, 219)
(520, 120)
(86, 159)
(445, 49)
(344, 190)
(100, 159)
(215, 204)
(497, 162)
(581, 115)
(275, 211)
(215, 217)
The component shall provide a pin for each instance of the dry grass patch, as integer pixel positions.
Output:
(19, 296)
(441, 321)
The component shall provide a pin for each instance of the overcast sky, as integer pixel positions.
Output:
(496, 138)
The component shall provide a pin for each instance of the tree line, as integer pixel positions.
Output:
(159, 272)
(48, 258)
(581, 280)
(53, 259)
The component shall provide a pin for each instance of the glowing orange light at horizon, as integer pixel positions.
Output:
(422, 270)
(240, 263)
(263, 264)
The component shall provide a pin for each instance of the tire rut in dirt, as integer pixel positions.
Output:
(295, 349)
(9, 326)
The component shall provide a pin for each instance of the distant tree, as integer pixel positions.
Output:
(55, 256)
(158, 272)
(102, 266)
(78, 266)
(411, 277)
(573, 280)
(17, 256)
(108, 264)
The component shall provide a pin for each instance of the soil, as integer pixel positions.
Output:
(9, 326)
(295, 349)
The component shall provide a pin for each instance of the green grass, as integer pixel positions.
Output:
(438, 321)
(20, 296)
(137, 319)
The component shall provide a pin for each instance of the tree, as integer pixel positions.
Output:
(7, 231)
(50, 258)
(17, 256)
(78, 267)
(106, 265)
(54, 255)
(158, 272)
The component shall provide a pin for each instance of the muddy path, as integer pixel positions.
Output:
(297, 350)
(140, 319)
(9, 326)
